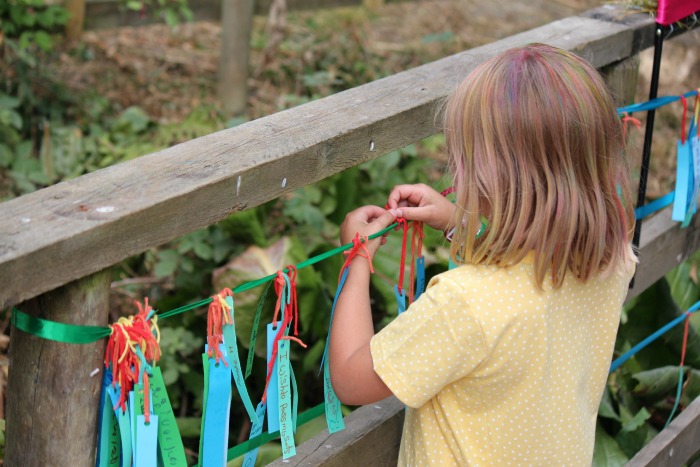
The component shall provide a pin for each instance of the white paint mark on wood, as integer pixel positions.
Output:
(238, 185)
(94, 372)
(371, 145)
(105, 209)
(284, 182)
(26, 220)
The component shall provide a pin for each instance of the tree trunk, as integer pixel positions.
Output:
(74, 27)
(236, 25)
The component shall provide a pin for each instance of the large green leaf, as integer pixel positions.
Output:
(607, 452)
(656, 383)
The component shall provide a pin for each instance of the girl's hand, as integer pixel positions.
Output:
(423, 204)
(366, 221)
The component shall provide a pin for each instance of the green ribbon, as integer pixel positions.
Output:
(68, 333)
(259, 440)
(73, 334)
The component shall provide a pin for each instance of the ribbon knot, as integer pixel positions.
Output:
(218, 314)
(359, 248)
(626, 119)
(132, 349)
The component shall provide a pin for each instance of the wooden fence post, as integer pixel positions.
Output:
(53, 394)
(74, 27)
(236, 26)
(622, 79)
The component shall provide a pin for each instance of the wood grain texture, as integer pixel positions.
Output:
(663, 245)
(673, 446)
(52, 401)
(72, 229)
(371, 438)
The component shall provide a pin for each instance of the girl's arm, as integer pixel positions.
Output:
(352, 369)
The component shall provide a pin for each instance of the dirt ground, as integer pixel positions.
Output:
(170, 72)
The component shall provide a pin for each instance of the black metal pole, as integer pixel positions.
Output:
(648, 133)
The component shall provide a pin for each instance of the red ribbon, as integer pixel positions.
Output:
(403, 224)
(291, 315)
(626, 118)
(416, 252)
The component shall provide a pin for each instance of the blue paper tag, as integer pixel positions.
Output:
(145, 454)
(400, 299)
(273, 418)
(285, 400)
(252, 455)
(216, 417)
(683, 181)
(695, 151)
(124, 423)
(234, 363)
(420, 277)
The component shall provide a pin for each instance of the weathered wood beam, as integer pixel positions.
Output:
(664, 245)
(72, 229)
(371, 438)
(674, 445)
(53, 393)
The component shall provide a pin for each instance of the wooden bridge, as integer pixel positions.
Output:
(57, 245)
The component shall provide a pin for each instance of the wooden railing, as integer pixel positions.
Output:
(57, 244)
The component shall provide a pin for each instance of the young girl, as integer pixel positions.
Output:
(503, 360)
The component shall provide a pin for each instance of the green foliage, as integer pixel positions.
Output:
(642, 392)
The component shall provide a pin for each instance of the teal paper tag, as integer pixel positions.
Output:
(334, 416)
(295, 398)
(216, 418)
(254, 332)
(108, 453)
(420, 277)
(252, 455)
(234, 363)
(205, 393)
(273, 420)
(124, 425)
(400, 299)
(131, 406)
(285, 401)
(171, 451)
(145, 454)
(683, 181)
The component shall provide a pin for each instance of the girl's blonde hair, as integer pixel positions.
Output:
(536, 146)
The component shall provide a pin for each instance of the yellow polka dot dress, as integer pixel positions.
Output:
(496, 372)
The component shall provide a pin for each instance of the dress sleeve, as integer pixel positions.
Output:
(435, 342)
